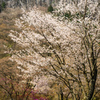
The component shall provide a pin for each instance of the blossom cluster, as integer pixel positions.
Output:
(50, 42)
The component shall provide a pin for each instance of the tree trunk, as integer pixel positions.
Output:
(61, 93)
(92, 87)
(61, 96)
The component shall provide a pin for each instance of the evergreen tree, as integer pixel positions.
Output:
(50, 8)
(3, 5)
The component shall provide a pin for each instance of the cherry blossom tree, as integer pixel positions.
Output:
(13, 86)
(68, 50)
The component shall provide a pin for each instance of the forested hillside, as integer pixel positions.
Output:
(50, 50)
(31, 3)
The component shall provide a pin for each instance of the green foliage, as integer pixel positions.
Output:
(95, 26)
(79, 15)
(0, 8)
(5, 55)
(68, 14)
(3, 5)
(50, 8)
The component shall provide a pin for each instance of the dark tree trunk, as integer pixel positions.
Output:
(61, 93)
(93, 82)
